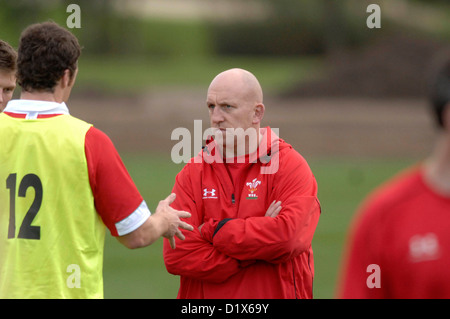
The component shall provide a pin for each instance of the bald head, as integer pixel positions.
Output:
(241, 83)
(235, 101)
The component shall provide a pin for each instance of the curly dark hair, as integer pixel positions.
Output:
(8, 57)
(45, 51)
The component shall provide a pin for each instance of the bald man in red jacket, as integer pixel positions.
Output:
(253, 201)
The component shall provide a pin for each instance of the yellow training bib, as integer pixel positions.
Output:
(51, 237)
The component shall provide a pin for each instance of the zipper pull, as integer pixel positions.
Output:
(232, 199)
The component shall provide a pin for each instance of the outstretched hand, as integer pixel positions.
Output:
(172, 216)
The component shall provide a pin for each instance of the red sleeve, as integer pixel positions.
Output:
(195, 257)
(115, 194)
(285, 236)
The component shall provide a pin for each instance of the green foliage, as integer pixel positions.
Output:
(305, 27)
(290, 28)
(106, 31)
(124, 74)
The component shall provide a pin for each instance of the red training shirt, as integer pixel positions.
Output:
(403, 229)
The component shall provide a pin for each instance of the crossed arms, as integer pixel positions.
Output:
(216, 250)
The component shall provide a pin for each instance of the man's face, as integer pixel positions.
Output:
(228, 111)
(235, 107)
(7, 86)
(228, 107)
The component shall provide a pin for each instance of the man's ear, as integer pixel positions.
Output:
(73, 77)
(68, 79)
(65, 80)
(259, 113)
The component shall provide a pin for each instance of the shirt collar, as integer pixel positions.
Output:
(33, 108)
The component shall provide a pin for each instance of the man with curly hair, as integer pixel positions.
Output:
(64, 183)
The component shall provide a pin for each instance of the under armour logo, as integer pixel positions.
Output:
(209, 194)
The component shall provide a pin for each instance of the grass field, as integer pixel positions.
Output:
(342, 185)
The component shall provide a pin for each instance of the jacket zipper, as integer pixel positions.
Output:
(233, 199)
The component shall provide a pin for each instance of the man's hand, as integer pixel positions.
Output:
(172, 218)
(164, 222)
(274, 209)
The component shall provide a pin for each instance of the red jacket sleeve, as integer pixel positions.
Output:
(285, 236)
(195, 257)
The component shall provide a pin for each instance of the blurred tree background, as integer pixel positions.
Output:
(328, 30)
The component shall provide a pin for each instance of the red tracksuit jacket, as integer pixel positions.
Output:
(240, 253)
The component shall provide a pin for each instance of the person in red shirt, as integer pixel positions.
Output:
(253, 201)
(399, 245)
